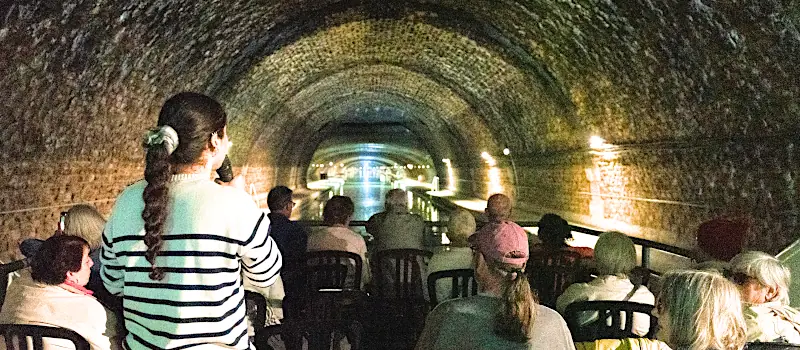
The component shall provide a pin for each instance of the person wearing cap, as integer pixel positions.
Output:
(504, 315)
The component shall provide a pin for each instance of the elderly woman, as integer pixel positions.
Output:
(615, 257)
(700, 310)
(458, 255)
(84, 221)
(53, 293)
(764, 283)
(505, 314)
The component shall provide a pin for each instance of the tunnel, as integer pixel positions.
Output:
(650, 117)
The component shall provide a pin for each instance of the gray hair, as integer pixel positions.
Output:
(767, 269)
(86, 222)
(460, 227)
(704, 311)
(614, 254)
(498, 207)
(396, 199)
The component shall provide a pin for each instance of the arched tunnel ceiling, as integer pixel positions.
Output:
(83, 78)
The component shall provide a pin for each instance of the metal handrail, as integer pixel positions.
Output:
(647, 245)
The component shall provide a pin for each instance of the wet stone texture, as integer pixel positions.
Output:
(698, 101)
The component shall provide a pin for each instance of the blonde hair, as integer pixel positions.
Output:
(86, 222)
(498, 207)
(460, 226)
(396, 199)
(767, 269)
(704, 311)
(614, 254)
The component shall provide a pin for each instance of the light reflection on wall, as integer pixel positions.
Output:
(451, 177)
(495, 183)
(608, 206)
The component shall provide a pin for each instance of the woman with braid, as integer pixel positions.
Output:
(176, 241)
(504, 315)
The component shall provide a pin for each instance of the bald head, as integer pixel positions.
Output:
(498, 207)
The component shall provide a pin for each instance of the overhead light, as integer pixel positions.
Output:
(506, 151)
(597, 142)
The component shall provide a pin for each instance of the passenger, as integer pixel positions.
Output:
(615, 257)
(83, 221)
(396, 228)
(764, 283)
(505, 314)
(700, 310)
(336, 235)
(52, 293)
(290, 236)
(458, 255)
(176, 242)
(498, 208)
(554, 233)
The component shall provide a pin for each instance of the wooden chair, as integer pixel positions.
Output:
(317, 334)
(16, 334)
(5, 270)
(399, 273)
(551, 272)
(609, 324)
(462, 284)
(324, 270)
(256, 308)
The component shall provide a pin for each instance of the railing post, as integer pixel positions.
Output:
(646, 257)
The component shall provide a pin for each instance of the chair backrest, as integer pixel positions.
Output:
(256, 308)
(462, 284)
(318, 334)
(332, 269)
(609, 323)
(5, 270)
(15, 336)
(399, 273)
(551, 272)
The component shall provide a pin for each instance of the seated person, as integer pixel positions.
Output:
(554, 233)
(53, 294)
(615, 257)
(396, 228)
(336, 235)
(700, 310)
(764, 283)
(83, 221)
(458, 255)
(290, 237)
(505, 314)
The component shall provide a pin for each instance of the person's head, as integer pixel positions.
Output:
(500, 254)
(86, 222)
(338, 211)
(191, 133)
(60, 259)
(498, 207)
(396, 200)
(460, 226)
(700, 310)
(761, 277)
(279, 200)
(554, 231)
(614, 254)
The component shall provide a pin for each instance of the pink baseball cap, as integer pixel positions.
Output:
(502, 241)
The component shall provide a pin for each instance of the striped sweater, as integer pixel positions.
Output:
(214, 236)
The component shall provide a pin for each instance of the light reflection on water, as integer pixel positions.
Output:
(368, 198)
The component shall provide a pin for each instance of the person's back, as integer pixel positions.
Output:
(458, 256)
(396, 228)
(468, 323)
(202, 243)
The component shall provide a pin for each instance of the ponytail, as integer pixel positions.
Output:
(160, 143)
(515, 320)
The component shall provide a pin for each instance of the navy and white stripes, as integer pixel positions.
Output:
(213, 234)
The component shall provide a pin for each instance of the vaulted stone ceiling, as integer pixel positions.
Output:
(700, 96)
